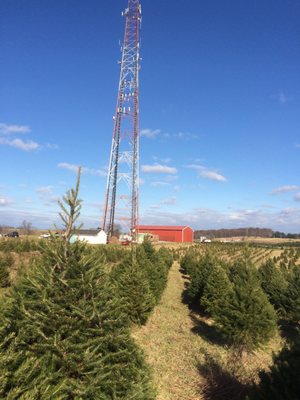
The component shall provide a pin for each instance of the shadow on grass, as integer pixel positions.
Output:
(288, 330)
(220, 384)
(201, 327)
(208, 332)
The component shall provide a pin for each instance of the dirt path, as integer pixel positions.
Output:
(171, 348)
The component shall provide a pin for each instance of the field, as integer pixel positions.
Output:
(188, 358)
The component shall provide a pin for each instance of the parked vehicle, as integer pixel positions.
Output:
(45, 236)
(13, 234)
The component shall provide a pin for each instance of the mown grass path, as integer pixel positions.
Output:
(176, 342)
(171, 348)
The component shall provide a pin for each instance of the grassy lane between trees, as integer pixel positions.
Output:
(172, 350)
(188, 358)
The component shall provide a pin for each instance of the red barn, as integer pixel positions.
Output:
(169, 233)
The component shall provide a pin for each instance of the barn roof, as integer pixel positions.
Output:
(163, 227)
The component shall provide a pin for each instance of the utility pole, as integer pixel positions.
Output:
(122, 189)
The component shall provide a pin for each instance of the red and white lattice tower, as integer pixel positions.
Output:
(122, 190)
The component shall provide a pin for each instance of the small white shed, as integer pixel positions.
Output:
(92, 237)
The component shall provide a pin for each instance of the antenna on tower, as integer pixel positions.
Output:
(122, 188)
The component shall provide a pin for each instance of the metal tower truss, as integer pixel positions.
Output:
(121, 199)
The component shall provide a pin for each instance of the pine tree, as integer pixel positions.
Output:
(217, 292)
(199, 276)
(148, 249)
(132, 284)
(63, 330)
(155, 270)
(247, 319)
(4, 275)
(6, 262)
(189, 262)
(273, 283)
(292, 300)
(166, 256)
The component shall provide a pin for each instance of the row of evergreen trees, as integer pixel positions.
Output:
(65, 323)
(245, 304)
(232, 296)
(19, 245)
(6, 262)
(282, 286)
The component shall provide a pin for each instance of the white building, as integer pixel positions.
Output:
(90, 236)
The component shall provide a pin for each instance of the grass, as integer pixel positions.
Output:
(188, 358)
(166, 340)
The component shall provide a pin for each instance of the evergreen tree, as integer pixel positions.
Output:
(292, 300)
(4, 274)
(199, 276)
(6, 262)
(247, 319)
(132, 284)
(166, 256)
(155, 270)
(273, 283)
(217, 292)
(63, 331)
(149, 249)
(283, 380)
(188, 263)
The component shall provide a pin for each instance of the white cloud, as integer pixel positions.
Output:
(297, 197)
(45, 190)
(6, 129)
(208, 173)
(155, 206)
(158, 168)
(13, 130)
(180, 136)
(160, 184)
(285, 189)
(20, 144)
(4, 201)
(169, 201)
(84, 170)
(185, 136)
(215, 176)
(46, 195)
(69, 167)
(287, 220)
(150, 133)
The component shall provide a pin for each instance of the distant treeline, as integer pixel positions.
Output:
(244, 232)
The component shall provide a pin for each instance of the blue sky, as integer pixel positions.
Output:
(219, 110)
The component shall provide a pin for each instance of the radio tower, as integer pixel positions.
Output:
(122, 189)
